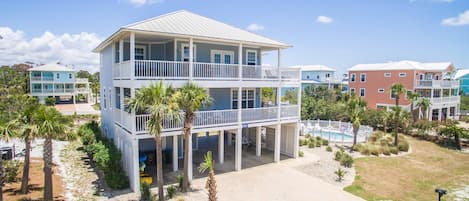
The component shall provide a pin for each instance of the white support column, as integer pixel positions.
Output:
(221, 147)
(258, 141)
(175, 153)
(296, 144)
(439, 114)
(238, 149)
(135, 177)
(278, 132)
(132, 55)
(122, 99)
(132, 95)
(121, 51)
(190, 159)
(448, 109)
(240, 61)
(191, 58)
(430, 114)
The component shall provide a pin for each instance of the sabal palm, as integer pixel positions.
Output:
(51, 125)
(157, 100)
(211, 183)
(423, 104)
(190, 98)
(397, 90)
(7, 130)
(355, 110)
(412, 98)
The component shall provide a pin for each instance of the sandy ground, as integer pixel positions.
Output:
(81, 108)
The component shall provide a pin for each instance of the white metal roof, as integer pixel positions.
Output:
(314, 68)
(460, 73)
(403, 65)
(185, 23)
(52, 67)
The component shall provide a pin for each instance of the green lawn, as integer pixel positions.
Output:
(411, 177)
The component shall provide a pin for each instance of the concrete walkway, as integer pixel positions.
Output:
(80, 108)
(271, 182)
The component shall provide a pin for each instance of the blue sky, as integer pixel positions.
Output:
(359, 31)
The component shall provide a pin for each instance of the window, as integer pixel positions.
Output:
(185, 52)
(362, 92)
(353, 77)
(58, 76)
(118, 97)
(421, 76)
(429, 76)
(104, 99)
(140, 52)
(69, 76)
(352, 91)
(117, 53)
(380, 90)
(363, 77)
(437, 77)
(221, 56)
(248, 98)
(328, 75)
(402, 74)
(251, 58)
(387, 74)
(126, 98)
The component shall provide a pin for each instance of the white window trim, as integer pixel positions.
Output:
(144, 47)
(381, 90)
(231, 96)
(253, 51)
(222, 54)
(182, 51)
(364, 92)
(387, 74)
(402, 74)
(361, 77)
(353, 75)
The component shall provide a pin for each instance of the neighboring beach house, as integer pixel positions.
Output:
(431, 80)
(463, 76)
(58, 81)
(182, 47)
(320, 75)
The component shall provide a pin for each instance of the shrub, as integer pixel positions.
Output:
(171, 191)
(338, 155)
(386, 150)
(374, 150)
(365, 149)
(307, 136)
(325, 142)
(394, 150)
(302, 142)
(300, 153)
(49, 101)
(318, 143)
(318, 138)
(403, 146)
(11, 170)
(375, 136)
(311, 144)
(179, 179)
(340, 174)
(346, 160)
(329, 149)
(145, 193)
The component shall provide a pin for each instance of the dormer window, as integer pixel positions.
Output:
(58, 75)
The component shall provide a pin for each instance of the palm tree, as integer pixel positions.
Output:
(355, 110)
(7, 131)
(397, 90)
(190, 98)
(52, 125)
(157, 100)
(412, 98)
(211, 183)
(423, 104)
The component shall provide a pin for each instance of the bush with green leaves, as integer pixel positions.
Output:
(325, 142)
(346, 160)
(338, 155)
(11, 170)
(145, 193)
(394, 150)
(340, 173)
(311, 144)
(386, 150)
(49, 101)
(403, 146)
(329, 149)
(318, 143)
(318, 138)
(171, 191)
(301, 153)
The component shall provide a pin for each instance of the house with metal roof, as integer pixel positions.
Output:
(321, 75)
(433, 81)
(243, 126)
(58, 81)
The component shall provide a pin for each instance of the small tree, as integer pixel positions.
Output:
(452, 130)
(397, 90)
(423, 104)
(211, 183)
(355, 110)
(49, 101)
(6, 132)
(412, 97)
(340, 174)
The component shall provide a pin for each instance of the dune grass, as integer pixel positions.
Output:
(411, 177)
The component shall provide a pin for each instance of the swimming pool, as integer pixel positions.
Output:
(335, 131)
(333, 136)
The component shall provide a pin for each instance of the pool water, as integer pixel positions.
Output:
(334, 136)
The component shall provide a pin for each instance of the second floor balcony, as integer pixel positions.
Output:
(436, 83)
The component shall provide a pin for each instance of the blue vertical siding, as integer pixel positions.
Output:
(64, 77)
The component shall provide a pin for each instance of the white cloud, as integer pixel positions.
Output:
(324, 19)
(461, 19)
(255, 27)
(139, 3)
(70, 49)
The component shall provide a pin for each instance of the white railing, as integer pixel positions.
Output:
(335, 131)
(82, 90)
(81, 80)
(122, 70)
(215, 118)
(288, 111)
(259, 114)
(215, 71)
(157, 69)
(117, 115)
(436, 83)
(161, 69)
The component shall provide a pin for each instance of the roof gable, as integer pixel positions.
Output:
(404, 65)
(52, 67)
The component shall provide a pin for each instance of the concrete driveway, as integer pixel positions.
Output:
(271, 182)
